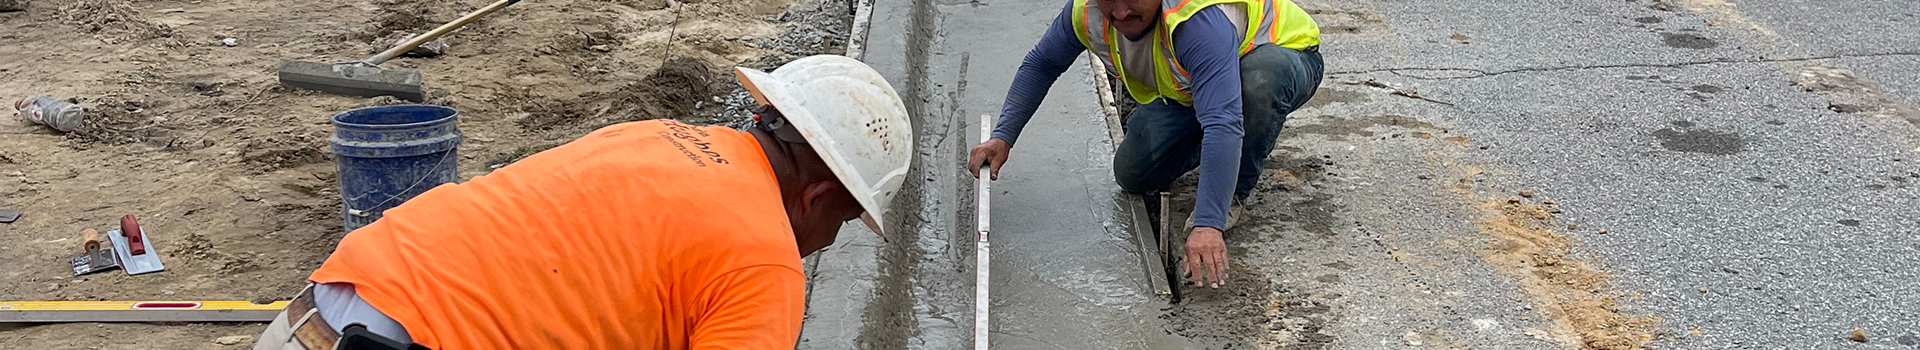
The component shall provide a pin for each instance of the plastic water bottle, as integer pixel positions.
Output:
(55, 113)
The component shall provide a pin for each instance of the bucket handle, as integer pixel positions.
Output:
(416, 183)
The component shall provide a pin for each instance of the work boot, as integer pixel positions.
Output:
(1234, 212)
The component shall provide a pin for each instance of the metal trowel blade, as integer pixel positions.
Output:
(135, 264)
(95, 261)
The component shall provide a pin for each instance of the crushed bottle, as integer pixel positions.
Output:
(51, 112)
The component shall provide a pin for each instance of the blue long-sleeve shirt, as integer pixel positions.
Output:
(1207, 45)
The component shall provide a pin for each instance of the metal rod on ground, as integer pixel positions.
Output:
(980, 303)
(1166, 249)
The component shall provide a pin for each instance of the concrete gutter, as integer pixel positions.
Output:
(856, 289)
(1135, 206)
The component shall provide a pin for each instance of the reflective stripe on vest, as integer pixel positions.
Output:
(1279, 22)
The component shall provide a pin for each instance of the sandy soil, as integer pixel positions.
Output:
(1575, 293)
(230, 173)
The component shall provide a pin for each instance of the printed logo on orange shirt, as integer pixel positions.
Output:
(680, 131)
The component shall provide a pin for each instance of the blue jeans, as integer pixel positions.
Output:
(1163, 138)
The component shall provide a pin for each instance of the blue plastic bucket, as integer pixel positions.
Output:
(389, 154)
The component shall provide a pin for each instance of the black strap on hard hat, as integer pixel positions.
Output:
(770, 119)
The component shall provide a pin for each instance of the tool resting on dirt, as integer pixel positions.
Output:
(138, 311)
(93, 256)
(980, 265)
(132, 248)
(365, 77)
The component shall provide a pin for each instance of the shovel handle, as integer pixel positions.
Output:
(436, 33)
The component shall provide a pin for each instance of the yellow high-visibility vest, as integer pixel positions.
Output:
(1279, 22)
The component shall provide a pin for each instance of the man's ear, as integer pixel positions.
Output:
(816, 195)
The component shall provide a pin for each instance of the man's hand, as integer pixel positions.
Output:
(1206, 257)
(993, 152)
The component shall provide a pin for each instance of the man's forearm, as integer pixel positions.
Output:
(1219, 164)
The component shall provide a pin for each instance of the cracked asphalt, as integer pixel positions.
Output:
(1745, 172)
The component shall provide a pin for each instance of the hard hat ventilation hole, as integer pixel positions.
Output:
(880, 129)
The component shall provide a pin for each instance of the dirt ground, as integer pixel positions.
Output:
(230, 173)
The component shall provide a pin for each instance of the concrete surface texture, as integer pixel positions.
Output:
(1065, 272)
(1677, 174)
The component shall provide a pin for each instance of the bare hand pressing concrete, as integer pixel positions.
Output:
(1206, 262)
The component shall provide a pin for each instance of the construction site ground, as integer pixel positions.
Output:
(231, 174)
(1472, 174)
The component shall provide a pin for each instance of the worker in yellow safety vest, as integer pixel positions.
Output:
(1215, 80)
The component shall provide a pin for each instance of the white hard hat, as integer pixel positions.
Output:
(851, 117)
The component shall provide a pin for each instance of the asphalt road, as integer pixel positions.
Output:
(1752, 164)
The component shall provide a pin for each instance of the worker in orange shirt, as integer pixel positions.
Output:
(641, 235)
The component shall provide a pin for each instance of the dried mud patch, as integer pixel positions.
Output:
(1339, 129)
(198, 249)
(111, 20)
(394, 21)
(518, 153)
(669, 92)
(276, 159)
(675, 88)
(1847, 93)
(284, 150)
(396, 16)
(1250, 312)
(1574, 293)
(117, 121)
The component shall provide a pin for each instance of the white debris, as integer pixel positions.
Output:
(1485, 324)
(1412, 338)
(233, 339)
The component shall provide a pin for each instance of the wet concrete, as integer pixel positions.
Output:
(1066, 274)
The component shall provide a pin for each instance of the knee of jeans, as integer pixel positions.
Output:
(1130, 177)
(1257, 86)
(1261, 104)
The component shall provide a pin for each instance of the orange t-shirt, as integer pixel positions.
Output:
(642, 235)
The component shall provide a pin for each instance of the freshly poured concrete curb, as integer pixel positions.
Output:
(843, 280)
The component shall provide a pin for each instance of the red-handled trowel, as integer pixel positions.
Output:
(134, 250)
